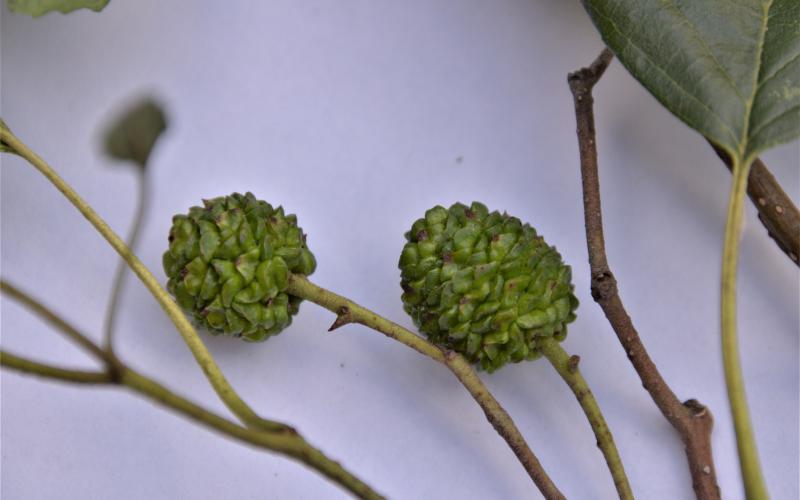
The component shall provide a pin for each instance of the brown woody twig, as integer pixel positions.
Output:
(692, 420)
(348, 312)
(775, 209)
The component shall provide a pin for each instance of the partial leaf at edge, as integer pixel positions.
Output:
(730, 70)
(38, 8)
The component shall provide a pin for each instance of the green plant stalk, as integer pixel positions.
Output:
(122, 267)
(30, 367)
(288, 444)
(201, 354)
(754, 484)
(567, 367)
(118, 373)
(348, 311)
(52, 318)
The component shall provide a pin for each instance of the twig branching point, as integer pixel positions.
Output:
(692, 421)
(196, 345)
(256, 428)
(283, 439)
(301, 287)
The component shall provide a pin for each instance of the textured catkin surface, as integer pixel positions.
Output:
(228, 263)
(484, 284)
(359, 116)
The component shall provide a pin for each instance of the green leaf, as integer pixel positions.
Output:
(730, 70)
(37, 8)
(133, 135)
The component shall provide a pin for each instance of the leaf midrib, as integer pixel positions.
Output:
(739, 149)
(748, 108)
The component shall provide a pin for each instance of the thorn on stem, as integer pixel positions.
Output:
(572, 364)
(343, 317)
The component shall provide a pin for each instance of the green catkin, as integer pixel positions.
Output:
(484, 284)
(228, 265)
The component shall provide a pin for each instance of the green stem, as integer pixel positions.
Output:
(348, 311)
(754, 485)
(286, 443)
(31, 367)
(52, 318)
(187, 331)
(502, 423)
(119, 373)
(121, 271)
(567, 367)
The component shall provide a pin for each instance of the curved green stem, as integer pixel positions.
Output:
(286, 440)
(121, 271)
(754, 485)
(567, 367)
(348, 311)
(50, 317)
(286, 443)
(31, 367)
(187, 331)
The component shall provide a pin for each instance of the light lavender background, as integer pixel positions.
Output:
(358, 116)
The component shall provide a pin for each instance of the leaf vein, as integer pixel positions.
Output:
(693, 28)
(772, 120)
(775, 73)
(676, 84)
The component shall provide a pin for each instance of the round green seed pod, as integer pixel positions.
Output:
(228, 265)
(484, 284)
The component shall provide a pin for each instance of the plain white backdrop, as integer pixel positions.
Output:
(358, 116)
